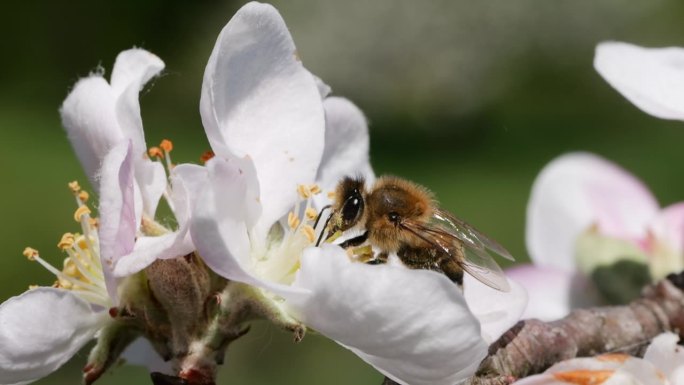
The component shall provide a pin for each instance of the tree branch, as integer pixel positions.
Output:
(531, 346)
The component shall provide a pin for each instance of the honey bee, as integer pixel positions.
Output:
(399, 216)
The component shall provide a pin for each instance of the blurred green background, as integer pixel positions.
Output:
(469, 98)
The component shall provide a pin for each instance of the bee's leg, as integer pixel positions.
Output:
(356, 241)
(379, 259)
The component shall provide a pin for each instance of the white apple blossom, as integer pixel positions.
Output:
(586, 212)
(663, 364)
(274, 133)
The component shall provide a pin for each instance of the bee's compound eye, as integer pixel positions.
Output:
(352, 209)
(393, 217)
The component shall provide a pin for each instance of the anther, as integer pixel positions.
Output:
(292, 220)
(315, 189)
(30, 253)
(81, 211)
(74, 187)
(32, 287)
(155, 152)
(303, 191)
(83, 196)
(94, 222)
(67, 241)
(309, 232)
(331, 195)
(206, 156)
(311, 214)
(166, 145)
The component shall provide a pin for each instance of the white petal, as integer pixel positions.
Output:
(151, 179)
(132, 69)
(575, 191)
(552, 293)
(323, 89)
(346, 145)
(496, 310)
(412, 325)
(118, 223)
(40, 330)
(258, 100)
(149, 249)
(651, 78)
(668, 356)
(188, 181)
(90, 121)
(141, 353)
(218, 225)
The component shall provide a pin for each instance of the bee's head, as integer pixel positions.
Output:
(349, 205)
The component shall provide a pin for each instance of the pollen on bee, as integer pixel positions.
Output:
(166, 145)
(584, 377)
(67, 241)
(310, 233)
(206, 156)
(292, 220)
(74, 186)
(155, 152)
(81, 211)
(30, 253)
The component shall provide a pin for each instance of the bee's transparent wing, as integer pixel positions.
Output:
(470, 248)
(470, 236)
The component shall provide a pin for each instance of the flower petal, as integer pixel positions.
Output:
(666, 244)
(259, 101)
(218, 225)
(132, 69)
(118, 223)
(412, 325)
(496, 310)
(651, 78)
(90, 122)
(40, 330)
(151, 180)
(575, 191)
(346, 144)
(552, 292)
(141, 353)
(668, 356)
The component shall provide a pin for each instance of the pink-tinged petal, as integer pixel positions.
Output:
(90, 121)
(668, 227)
(346, 145)
(132, 69)
(258, 100)
(42, 329)
(496, 310)
(218, 226)
(552, 292)
(118, 223)
(412, 325)
(651, 78)
(141, 353)
(575, 191)
(665, 353)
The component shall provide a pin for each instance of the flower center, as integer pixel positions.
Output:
(82, 269)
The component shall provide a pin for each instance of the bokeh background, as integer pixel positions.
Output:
(470, 98)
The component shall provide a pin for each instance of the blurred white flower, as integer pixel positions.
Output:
(274, 132)
(663, 364)
(651, 78)
(585, 213)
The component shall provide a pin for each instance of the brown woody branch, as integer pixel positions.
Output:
(531, 346)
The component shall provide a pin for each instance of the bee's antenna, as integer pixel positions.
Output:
(320, 237)
(320, 213)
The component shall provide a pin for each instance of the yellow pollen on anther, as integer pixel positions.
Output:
(331, 194)
(309, 232)
(83, 196)
(66, 242)
(315, 189)
(30, 253)
(155, 152)
(303, 191)
(614, 357)
(206, 156)
(292, 220)
(584, 377)
(81, 211)
(94, 222)
(166, 145)
(74, 187)
(32, 287)
(311, 213)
